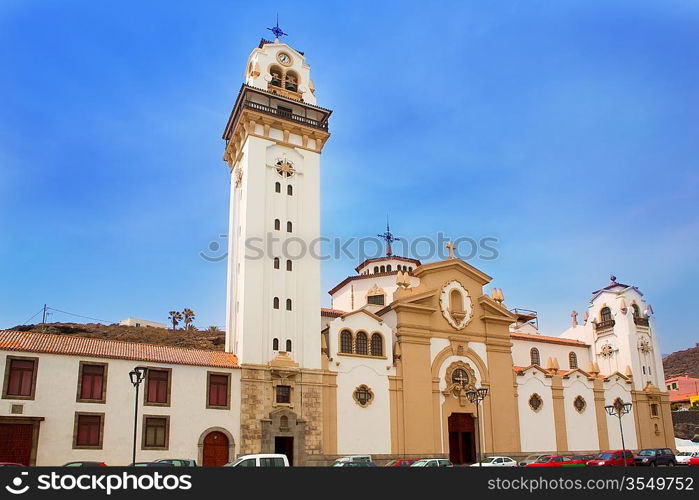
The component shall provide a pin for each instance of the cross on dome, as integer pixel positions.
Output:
(278, 32)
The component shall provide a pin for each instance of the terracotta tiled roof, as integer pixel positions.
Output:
(547, 340)
(114, 349)
(324, 311)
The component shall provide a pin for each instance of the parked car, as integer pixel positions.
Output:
(531, 459)
(551, 461)
(401, 462)
(653, 457)
(580, 460)
(11, 464)
(352, 458)
(178, 462)
(260, 460)
(612, 458)
(150, 464)
(496, 462)
(432, 462)
(683, 457)
(85, 464)
(353, 464)
(693, 462)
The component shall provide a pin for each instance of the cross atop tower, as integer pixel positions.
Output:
(388, 238)
(278, 33)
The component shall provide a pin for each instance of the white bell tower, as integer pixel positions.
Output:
(274, 138)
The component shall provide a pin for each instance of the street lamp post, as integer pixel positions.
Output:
(476, 397)
(619, 409)
(137, 375)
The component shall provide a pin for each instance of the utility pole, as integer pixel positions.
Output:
(43, 320)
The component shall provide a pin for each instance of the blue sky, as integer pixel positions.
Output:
(566, 129)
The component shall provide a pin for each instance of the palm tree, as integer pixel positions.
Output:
(175, 317)
(188, 318)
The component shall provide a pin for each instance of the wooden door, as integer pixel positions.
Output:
(215, 449)
(16, 443)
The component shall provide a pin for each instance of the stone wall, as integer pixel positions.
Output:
(686, 424)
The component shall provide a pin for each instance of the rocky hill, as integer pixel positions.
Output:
(198, 339)
(682, 363)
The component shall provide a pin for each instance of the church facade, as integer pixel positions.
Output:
(387, 370)
(390, 369)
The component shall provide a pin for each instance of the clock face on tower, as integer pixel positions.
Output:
(284, 58)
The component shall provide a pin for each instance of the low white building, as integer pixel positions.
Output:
(69, 398)
(142, 322)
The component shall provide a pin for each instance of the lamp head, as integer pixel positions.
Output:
(610, 409)
(137, 375)
(472, 396)
(482, 393)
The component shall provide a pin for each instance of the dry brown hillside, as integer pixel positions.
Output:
(182, 338)
(682, 363)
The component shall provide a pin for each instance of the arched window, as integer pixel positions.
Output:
(277, 74)
(288, 227)
(288, 304)
(361, 343)
(376, 345)
(346, 341)
(275, 344)
(606, 314)
(283, 423)
(534, 356)
(644, 369)
(291, 81)
(288, 265)
(636, 310)
(276, 263)
(410, 269)
(277, 187)
(388, 268)
(277, 225)
(572, 360)
(376, 269)
(383, 269)
(288, 345)
(290, 190)
(275, 303)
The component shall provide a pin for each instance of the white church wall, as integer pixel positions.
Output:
(536, 428)
(581, 427)
(353, 295)
(368, 429)
(55, 400)
(521, 353)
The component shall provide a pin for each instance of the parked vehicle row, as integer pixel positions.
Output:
(650, 457)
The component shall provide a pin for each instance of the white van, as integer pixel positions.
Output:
(260, 460)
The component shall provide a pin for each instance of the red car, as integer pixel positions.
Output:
(694, 461)
(580, 460)
(551, 461)
(402, 462)
(613, 458)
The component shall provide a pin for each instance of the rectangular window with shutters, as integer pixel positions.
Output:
(92, 382)
(157, 391)
(20, 377)
(156, 432)
(218, 391)
(88, 430)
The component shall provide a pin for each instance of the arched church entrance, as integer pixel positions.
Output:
(215, 451)
(283, 432)
(462, 438)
